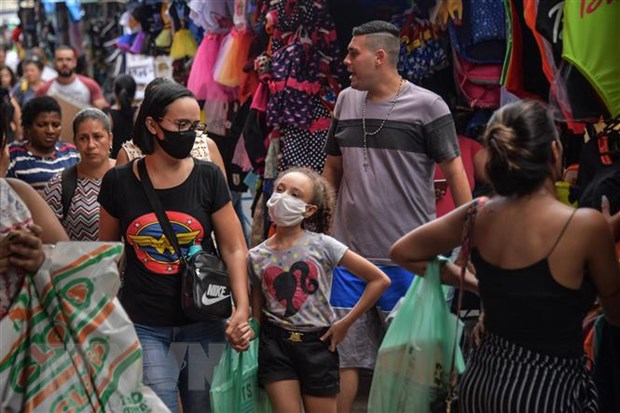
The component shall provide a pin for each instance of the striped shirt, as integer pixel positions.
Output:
(82, 220)
(37, 170)
(379, 203)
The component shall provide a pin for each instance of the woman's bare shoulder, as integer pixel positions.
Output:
(42, 215)
(590, 221)
(20, 187)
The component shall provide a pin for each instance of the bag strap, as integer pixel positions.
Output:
(155, 202)
(68, 185)
(466, 247)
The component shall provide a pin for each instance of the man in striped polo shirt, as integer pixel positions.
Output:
(386, 136)
(40, 156)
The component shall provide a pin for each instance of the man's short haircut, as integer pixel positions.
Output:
(66, 47)
(381, 35)
(376, 26)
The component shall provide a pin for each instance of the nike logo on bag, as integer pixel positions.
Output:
(214, 294)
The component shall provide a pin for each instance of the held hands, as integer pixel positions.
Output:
(238, 331)
(22, 248)
(337, 332)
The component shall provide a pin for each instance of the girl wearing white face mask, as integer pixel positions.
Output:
(291, 276)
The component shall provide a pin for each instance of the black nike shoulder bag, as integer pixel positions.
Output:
(205, 288)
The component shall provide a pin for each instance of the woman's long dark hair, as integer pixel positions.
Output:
(125, 91)
(155, 104)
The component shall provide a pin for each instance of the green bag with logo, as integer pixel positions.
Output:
(235, 383)
(415, 357)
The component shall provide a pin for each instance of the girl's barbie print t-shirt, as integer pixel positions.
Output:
(297, 282)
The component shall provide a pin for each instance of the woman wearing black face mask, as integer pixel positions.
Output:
(204, 147)
(195, 196)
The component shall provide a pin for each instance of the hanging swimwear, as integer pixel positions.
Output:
(590, 37)
(570, 92)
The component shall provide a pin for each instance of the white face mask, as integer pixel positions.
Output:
(286, 210)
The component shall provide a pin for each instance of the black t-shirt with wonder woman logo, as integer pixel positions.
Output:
(152, 286)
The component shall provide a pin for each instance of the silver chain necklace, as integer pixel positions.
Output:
(366, 133)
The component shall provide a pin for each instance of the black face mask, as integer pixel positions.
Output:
(177, 144)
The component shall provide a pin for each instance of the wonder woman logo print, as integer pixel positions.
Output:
(292, 288)
(152, 247)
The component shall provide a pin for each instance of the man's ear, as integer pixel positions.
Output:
(380, 57)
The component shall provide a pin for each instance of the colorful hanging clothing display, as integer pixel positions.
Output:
(590, 40)
(305, 62)
(183, 44)
(232, 58)
(522, 53)
(423, 46)
(212, 16)
(481, 38)
(303, 147)
(478, 49)
(570, 92)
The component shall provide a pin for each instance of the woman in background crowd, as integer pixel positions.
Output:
(122, 113)
(539, 264)
(27, 87)
(78, 209)
(7, 77)
(195, 197)
(41, 155)
(13, 116)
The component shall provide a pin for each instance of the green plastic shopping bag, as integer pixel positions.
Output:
(415, 357)
(235, 383)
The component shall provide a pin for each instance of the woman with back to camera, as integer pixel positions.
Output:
(539, 264)
(122, 112)
(195, 196)
(204, 147)
(78, 209)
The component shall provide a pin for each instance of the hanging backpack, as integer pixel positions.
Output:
(478, 83)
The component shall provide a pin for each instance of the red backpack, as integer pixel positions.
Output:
(479, 83)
